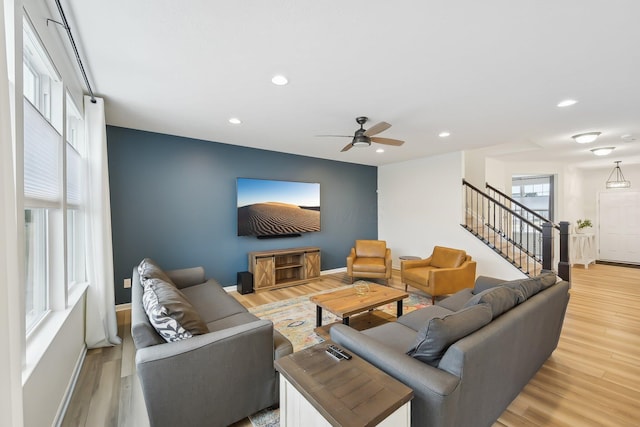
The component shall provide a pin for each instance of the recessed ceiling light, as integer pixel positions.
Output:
(279, 80)
(380, 150)
(567, 103)
(602, 151)
(235, 121)
(444, 134)
(585, 138)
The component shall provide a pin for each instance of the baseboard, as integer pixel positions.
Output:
(62, 410)
(618, 264)
(332, 271)
(123, 307)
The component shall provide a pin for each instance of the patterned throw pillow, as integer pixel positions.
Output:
(149, 269)
(169, 311)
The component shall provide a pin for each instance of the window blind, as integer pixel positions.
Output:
(74, 177)
(41, 157)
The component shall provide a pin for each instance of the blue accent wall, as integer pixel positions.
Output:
(173, 199)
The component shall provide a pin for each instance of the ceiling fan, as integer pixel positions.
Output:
(364, 137)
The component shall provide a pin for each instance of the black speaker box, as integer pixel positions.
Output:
(245, 282)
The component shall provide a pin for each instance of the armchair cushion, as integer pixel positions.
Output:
(439, 333)
(447, 258)
(170, 313)
(370, 265)
(371, 248)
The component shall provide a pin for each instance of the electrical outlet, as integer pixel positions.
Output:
(127, 283)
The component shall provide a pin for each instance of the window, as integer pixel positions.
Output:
(75, 151)
(42, 176)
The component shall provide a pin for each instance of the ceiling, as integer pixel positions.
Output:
(491, 73)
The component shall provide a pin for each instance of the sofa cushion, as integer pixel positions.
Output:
(418, 318)
(149, 269)
(394, 335)
(212, 302)
(500, 299)
(456, 301)
(438, 334)
(170, 313)
(447, 258)
(231, 321)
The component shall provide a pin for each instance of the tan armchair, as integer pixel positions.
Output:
(445, 272)
(370, 259)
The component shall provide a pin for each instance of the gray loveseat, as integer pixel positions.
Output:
(470, 355)
(217, 376)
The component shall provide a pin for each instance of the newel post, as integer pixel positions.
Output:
(547, 246)
(564, 266)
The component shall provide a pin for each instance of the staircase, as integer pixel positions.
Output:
(519, 235)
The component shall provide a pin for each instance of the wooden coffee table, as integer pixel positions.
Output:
(345, 303)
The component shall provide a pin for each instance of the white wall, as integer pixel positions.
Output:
(420, 205)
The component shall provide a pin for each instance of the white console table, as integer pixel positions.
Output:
(583, 249)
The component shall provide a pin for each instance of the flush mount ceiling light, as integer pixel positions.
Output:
(444, 134)
(618, 181)
(567, 103)
(585, 138)
(602, 151)
(279, 80)
(235, 121)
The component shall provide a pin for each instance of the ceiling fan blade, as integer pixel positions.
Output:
(347, 147)
(387, 141)
(376, 129)
(339, 136)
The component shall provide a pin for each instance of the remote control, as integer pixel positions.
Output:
(342, 353)
(331, 352)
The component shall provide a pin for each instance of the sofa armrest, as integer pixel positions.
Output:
(350, 258)
(204, 375)
(186, 277)
(412, 263)
(422, 378)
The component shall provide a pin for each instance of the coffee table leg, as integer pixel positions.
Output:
(345, 321)
(318, 316)
(399, 307)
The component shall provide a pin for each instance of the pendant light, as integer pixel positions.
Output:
(619, 181)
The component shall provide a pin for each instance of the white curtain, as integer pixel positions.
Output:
(101, 328)
(10, 313)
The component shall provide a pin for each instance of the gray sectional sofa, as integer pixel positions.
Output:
(469, 356)
(207, 361)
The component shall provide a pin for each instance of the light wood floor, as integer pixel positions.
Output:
(592, 379)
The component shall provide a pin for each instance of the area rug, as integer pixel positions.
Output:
(295, 318)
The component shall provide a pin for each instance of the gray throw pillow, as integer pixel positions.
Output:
(547, 278)
(169, 311)
(456, 301)
(149, 269)
(438, 334)
(500, 299)
(528, 287)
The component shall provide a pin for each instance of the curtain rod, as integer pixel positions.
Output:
(65, 25)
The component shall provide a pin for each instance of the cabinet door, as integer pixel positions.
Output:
(264, 272)
(311, 265)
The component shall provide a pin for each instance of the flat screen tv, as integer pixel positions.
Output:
(268, 208)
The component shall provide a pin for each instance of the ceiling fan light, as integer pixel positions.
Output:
(602, 151)
(567, 103)
(361, 141)
(585, 138)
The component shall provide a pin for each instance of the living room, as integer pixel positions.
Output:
(413, 202)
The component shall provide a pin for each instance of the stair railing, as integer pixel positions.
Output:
(523, 237)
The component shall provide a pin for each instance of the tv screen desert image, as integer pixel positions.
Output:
(271, 208)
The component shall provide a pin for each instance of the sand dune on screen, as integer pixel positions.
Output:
(261, 219)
